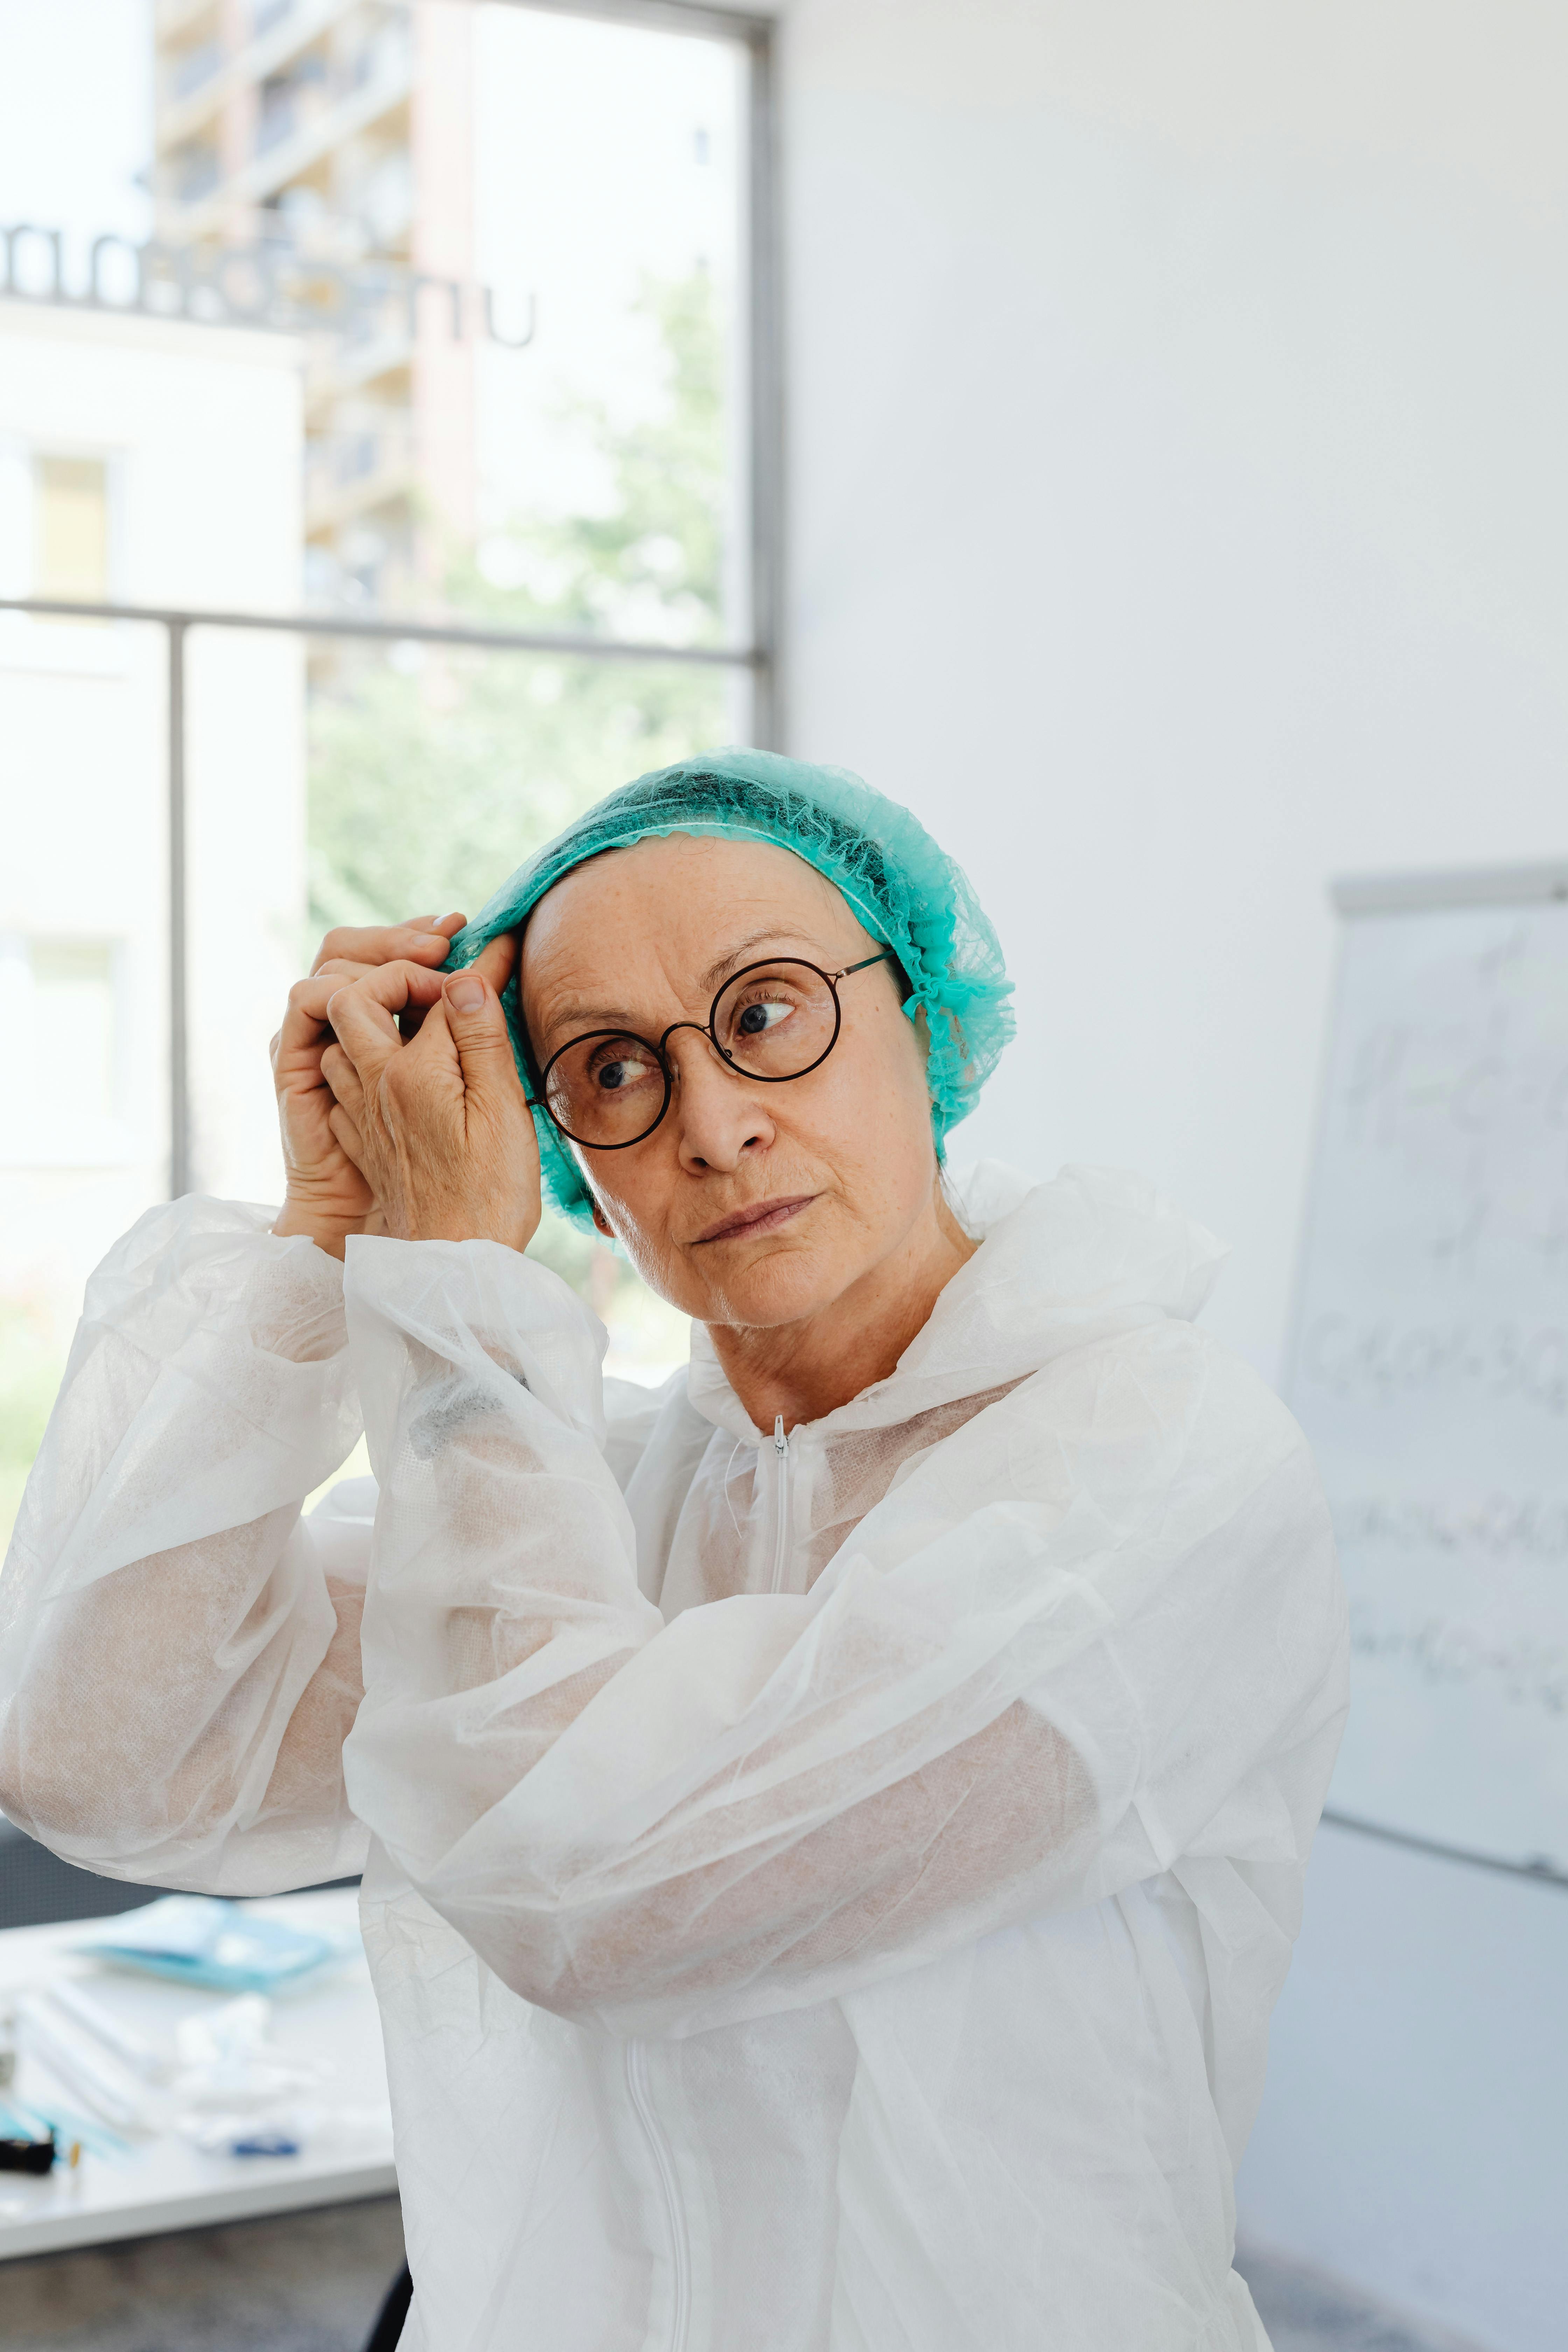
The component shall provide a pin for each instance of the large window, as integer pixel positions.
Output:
(425, 345)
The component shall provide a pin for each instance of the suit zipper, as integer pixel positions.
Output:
(664, 2163)
(782, 1530)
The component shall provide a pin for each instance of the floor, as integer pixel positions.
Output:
(302, 2283)
(1306, 2311)
(313, 2283)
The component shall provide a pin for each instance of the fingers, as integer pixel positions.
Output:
(424, 941)
(305, 1021)
(343, 1079)
(345, 1130)
(472, 1007)
(361, 1013)
(495, 959)
(364, 1030)
(437, 1124)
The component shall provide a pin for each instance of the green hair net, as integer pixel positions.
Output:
(905, 892)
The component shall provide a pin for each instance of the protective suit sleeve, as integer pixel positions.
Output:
(974, 1715)
(179, 1650)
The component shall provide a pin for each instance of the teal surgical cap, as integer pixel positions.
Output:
(904, 890)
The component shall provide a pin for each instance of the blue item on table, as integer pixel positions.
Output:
(264, 2141)
(196, 1939)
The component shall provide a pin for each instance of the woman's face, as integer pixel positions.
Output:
(750, 1204)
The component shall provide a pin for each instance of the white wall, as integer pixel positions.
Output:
(1175, 404)
(1175, 409)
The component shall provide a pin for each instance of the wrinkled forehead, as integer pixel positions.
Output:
(677, 901)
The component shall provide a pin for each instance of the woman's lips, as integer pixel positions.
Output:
(761, 1218)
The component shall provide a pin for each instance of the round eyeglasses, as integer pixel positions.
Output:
(609, 1088)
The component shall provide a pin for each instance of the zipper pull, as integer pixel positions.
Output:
(780, 1506)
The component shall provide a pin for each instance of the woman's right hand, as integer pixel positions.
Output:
(327, 1197)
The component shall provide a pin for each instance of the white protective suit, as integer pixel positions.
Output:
(825, 1898)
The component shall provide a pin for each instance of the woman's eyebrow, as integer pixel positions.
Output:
(720, 965)
(578, 1015)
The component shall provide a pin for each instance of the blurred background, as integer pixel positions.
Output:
(1132, 433)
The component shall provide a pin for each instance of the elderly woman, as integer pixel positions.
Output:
(833, 1827)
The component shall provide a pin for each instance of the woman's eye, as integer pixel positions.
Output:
(613, 1077)
(756, 1018)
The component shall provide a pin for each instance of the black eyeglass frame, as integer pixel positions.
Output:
(704, 1029)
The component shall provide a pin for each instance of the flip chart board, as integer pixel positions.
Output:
(1429, 1360)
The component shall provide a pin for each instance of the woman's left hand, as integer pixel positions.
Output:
(437, 1123)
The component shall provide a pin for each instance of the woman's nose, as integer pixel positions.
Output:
(716, 1110)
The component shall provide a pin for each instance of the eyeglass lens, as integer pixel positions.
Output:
(776, 1022)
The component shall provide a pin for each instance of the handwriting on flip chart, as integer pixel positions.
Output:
(1381, 1360)
(1518, 1671)
(1430, 1367)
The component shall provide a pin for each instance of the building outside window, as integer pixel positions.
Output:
(55, 527)
(70, 527)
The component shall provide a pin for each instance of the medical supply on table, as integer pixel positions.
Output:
(34, 2143)
(20, 2152)
(132, 2049)
(220, 2083)
(226, 2059)
(85, 2069)
(265, 2140)
(197, 1939)
(286, 2130)
(223, 2060)
(239, 2097)
(69, 2129)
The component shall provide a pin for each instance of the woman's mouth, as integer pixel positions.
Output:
(762, 1217)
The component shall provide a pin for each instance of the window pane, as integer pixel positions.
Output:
(511, 238)
(436, 769)
(84, 1106)
(341, 782)
(434, 772)
(607, 209)
(245, 928)
(499, 248)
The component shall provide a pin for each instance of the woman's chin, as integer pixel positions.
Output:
(780, 1287)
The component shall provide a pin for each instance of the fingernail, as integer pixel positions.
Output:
(466, 995)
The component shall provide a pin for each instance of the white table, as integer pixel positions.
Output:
(167, 2184)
